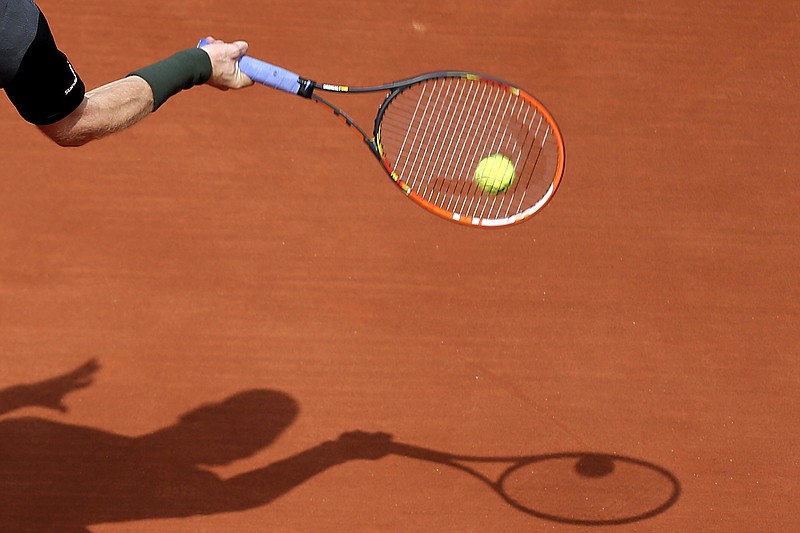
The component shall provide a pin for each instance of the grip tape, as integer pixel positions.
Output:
(267, 73)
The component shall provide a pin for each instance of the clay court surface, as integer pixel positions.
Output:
(247, 241)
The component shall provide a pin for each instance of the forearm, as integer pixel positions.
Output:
(122, 103)
(11, 399)
(107, 109)
(266, 484)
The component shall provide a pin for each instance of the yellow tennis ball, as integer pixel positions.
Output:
(494, 173)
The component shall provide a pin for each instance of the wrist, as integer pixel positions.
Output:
(180, 71)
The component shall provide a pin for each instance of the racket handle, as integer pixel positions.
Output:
(268, 74)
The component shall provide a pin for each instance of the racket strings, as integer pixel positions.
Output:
(435, 133)
(496, 145)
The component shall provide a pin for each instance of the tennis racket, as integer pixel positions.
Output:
(573, 488)
(468, 147)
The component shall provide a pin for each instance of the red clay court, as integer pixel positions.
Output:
(240, 261)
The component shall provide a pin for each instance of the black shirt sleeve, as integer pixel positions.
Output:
(45, 88)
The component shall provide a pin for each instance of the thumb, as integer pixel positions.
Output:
(240, 47)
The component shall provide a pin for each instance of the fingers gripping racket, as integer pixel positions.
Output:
(467, 147)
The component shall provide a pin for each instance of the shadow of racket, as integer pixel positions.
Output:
(577, 488)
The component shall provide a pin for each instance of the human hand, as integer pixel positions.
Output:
(50, 393)
(225, 64)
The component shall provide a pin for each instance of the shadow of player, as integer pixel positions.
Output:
(61, 477)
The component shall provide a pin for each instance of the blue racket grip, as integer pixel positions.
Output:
(266, 73)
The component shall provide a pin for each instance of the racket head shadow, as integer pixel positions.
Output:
(432, 134)
(588, 488)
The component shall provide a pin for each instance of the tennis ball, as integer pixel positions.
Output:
(594, 465)
(494, 173)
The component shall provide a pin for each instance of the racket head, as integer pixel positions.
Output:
(588, 489)
(433, 132)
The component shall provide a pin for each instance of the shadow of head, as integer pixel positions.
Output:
(235, 428)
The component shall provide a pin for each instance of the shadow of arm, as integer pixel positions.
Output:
(49, 393)
(264, 485)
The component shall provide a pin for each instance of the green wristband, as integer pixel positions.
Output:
(180, 71)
